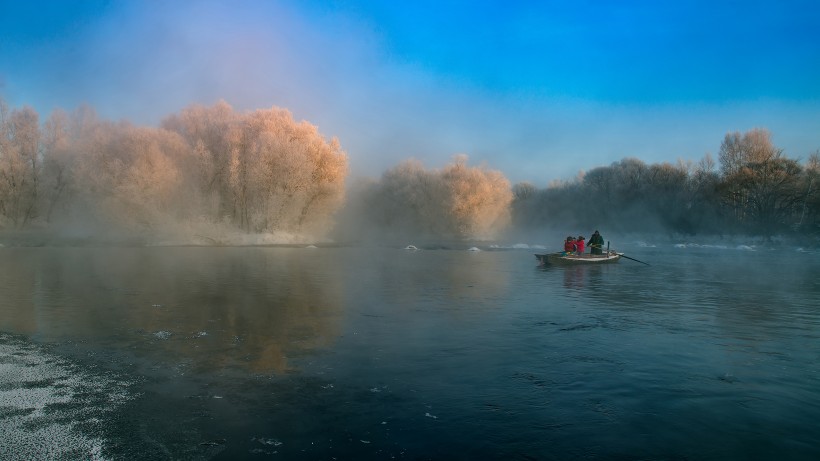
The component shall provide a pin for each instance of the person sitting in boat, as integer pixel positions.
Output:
(596, 243)
(579, 244)
(569, 245)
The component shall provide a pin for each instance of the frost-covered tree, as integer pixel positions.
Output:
(56, 162)
(206, 166)
(213, 134)
(127, 177)
(410, 199)
(479, 199)
(20, 165)
(262, 171)
(296, 176)
(458, 201)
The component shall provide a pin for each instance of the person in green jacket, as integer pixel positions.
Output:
(596, 244)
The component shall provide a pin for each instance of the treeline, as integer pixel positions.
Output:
(202, 169)
(755, 189)
(212, 171)
(207, 172)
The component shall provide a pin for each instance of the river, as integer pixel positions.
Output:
(709, 353)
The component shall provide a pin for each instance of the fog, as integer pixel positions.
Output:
(205, 174)
(211, 175)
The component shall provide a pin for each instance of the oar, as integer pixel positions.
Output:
(627, 257)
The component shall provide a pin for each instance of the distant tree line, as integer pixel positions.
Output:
(206, 166)
(755, 189)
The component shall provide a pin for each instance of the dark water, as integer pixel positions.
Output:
(710, 353)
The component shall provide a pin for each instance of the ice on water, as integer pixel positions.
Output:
(37, 391)
(162, 334)
(267, 441)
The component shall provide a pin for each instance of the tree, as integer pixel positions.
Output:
(20, 166)
(665, 195)
(599, 190)
(410, 199)
(127, 176)
(523, 204)
(298, 175)
(263, 171)
(703, 201)
(810, 210)
(213, 134)
(737, 152)
(459, 201)
(479, 199)
(759, 184)
(57, 162)
(773, 191)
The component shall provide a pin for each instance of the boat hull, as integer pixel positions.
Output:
(563, 259)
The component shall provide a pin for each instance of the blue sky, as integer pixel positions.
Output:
(538, 90)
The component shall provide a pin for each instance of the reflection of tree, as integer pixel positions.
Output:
(18, 280)
(238, 307)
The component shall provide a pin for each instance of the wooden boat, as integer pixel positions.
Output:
(564, 258)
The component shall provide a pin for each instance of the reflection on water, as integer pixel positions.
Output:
(217, 307)
(582, 278)
(378, 353)
(247, 307)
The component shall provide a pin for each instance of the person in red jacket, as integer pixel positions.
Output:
(579, 244)
(569, 245)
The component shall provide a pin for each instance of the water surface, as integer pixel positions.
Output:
(382, 353)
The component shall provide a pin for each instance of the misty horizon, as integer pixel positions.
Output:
(210, 172)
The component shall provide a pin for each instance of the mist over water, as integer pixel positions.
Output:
(377, 352)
